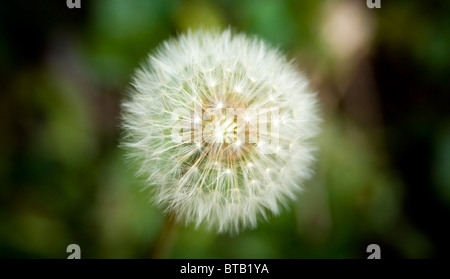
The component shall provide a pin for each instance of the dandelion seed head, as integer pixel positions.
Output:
(201, 118)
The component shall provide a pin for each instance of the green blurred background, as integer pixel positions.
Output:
(383, 170)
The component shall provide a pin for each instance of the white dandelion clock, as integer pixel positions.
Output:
(222, 126)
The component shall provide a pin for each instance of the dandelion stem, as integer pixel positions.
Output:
(165, 239)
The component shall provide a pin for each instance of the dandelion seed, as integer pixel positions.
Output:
(182, 92)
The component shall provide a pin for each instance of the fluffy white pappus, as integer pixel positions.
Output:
(221, 125)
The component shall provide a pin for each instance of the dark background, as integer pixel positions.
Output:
(383, 170)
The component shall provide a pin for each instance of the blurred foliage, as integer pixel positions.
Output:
(382, 173)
